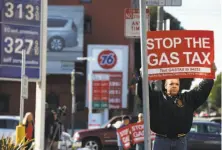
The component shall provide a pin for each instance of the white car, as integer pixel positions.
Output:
(8, 126)
(8, 129)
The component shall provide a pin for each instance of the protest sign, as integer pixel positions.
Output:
(124, 136)
(180, 54)
(137, 132)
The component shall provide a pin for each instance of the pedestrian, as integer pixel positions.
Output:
(55, 134)
(171, 112)
(49, 121)
(125, 122)
(140, 146)
(28, 122)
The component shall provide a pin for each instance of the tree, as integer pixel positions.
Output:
(215, 95)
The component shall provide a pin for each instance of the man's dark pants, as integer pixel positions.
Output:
(140, 146)
(163, 143)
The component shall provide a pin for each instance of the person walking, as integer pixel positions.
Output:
(55, 134)
(49, 122)
(28, 122)
(171, 112)
(140, 146)
(126, 121)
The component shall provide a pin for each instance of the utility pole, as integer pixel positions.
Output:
(146, 108)
(73, 100)
(160, 18)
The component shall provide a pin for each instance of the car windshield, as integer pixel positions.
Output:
(104, 125)
(115, 123)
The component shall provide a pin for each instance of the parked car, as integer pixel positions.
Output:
(8, 129)
(215, 119)
(211, 119)
(62, 32)
(8, 125)
(104, 137)
(204, 135)
(96, 139)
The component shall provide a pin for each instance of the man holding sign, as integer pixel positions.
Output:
(173, 55)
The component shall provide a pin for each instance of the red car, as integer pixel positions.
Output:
(104, 137)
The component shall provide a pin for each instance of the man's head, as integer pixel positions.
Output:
(126, 120)
(172, 86)
(140, 117)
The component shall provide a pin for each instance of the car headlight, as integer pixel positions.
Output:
(76, 137)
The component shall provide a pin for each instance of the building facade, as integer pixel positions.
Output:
(103, 24)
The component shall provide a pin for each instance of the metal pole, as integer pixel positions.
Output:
(146, 108)
(73, 100)
(22, 82)
(160, 18)
(41, 86)
(90, 92)
(167, 24)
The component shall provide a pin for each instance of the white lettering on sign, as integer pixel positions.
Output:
(169, 43)
(138, 134)
(115, 83)
(126, 139)
(124, 132)
(137, 127)
(196, 58)
(153, 59)
(197, 42)
(173, 58)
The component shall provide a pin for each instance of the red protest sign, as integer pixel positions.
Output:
(124, 136)
(137, 132)
(180, 54)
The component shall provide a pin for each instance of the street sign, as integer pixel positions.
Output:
(19, 30)
(164, 2)
(25, 87)
(132, 22)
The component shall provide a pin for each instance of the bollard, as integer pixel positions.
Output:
(20, 133)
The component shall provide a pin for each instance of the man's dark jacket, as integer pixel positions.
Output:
(174, 115)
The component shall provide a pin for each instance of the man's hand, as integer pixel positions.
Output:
(214, 67)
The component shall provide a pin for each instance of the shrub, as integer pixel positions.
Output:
(7, 144)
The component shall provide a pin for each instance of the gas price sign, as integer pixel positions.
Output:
(21, 11)
(20, 30)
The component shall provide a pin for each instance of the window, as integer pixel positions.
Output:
(213, 129)
(4, 103)
(8, 124)
(55, 23)
(86, 1)
(88, 24)
(196, 128)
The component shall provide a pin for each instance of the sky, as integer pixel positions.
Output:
(202, 15)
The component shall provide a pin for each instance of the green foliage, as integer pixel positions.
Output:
(215, 95)
(7, 144)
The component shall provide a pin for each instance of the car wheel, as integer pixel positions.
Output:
(56, 44)
(92, 144)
